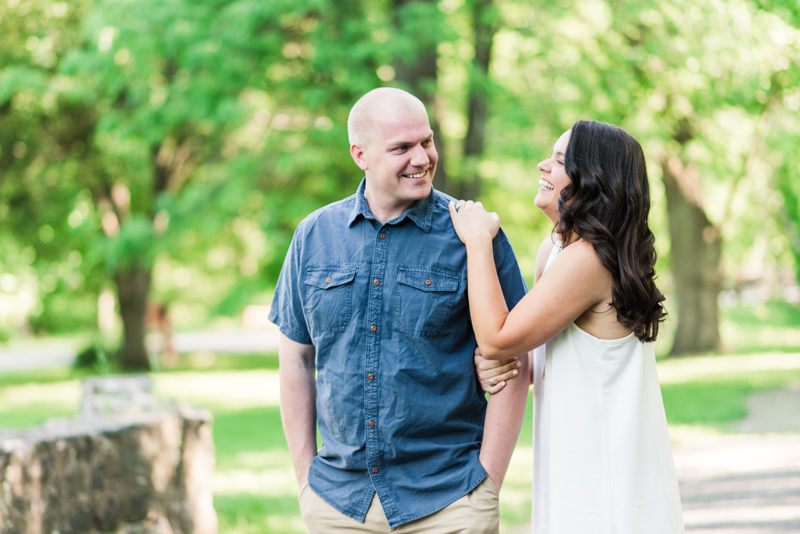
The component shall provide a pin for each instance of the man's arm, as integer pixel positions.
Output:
(298, 403)
(503, 422)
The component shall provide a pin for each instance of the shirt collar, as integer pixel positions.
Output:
(420, 212)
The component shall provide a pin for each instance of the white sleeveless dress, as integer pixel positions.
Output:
(602, 456)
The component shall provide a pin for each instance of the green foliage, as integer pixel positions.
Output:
(192, 137)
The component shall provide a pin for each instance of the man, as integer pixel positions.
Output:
(373, 296)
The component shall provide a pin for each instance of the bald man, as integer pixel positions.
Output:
(373, 298)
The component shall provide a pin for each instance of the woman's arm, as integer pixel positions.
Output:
(575, 282)
(499, 372)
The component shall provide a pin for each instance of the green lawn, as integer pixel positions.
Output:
(254, 486)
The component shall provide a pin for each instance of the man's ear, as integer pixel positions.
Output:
(357, 152)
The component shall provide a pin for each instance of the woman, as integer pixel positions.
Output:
(603, 461)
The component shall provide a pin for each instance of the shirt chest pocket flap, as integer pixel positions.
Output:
(329, 296)
(425, 299)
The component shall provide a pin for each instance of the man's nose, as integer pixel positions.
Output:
(419, 156)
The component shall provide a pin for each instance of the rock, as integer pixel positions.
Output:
(145, 472)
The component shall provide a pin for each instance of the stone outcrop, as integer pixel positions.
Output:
(142, 472)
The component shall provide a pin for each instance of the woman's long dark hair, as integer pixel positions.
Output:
(610, 203)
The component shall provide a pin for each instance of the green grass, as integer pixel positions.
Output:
(717, 399)
(773, 326)
(254, 485)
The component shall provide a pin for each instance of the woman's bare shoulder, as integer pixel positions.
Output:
(582, 254)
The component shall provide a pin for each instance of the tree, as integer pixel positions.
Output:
(669, 71)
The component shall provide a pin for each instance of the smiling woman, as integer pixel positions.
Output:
(590, 319)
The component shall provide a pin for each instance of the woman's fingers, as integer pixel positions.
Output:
(493, 375)
(483, 362)
(503, 377)
(492, 372)
(491, 390)
(493, 368)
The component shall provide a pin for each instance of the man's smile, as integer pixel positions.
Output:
(416, 176)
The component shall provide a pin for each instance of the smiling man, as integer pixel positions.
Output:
(373, 298)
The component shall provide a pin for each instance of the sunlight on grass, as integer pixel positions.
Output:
(63, 393)
(708, 367)
(31, 404)
(267, 473)
(226, 390)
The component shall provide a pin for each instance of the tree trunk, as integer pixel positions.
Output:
(484, 18)
(420, 77)
(696, 250)
(133, 288)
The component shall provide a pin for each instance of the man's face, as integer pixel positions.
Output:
(400, 160)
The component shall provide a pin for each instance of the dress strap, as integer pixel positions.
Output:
(553, 253)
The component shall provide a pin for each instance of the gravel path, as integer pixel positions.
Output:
(62, 354)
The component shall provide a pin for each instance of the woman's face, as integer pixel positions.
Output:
(554, 178)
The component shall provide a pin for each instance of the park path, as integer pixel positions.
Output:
(22, 357)
(749, 482)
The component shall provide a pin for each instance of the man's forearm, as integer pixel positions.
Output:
(298, 412)
(503, 421)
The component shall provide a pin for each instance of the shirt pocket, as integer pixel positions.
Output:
(329, 296)
(425, 299)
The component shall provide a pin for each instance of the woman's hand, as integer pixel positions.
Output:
(472, 222)
(493, 374)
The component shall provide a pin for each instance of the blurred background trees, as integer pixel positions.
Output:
(167, 149)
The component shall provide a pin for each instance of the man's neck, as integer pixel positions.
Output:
(384, 210)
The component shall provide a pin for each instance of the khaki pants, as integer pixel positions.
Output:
(478, 512)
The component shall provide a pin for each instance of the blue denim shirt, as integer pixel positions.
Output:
(399, 408)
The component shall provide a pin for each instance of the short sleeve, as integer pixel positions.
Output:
(287, 305)
(508, 271)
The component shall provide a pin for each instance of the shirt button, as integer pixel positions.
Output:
(373, 328)
(371, 424)
(374, 469)
(383, 236)
(370, 376)
(327, 280)
(427, 282)
(377, 282)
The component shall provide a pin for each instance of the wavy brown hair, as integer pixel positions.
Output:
(610, 203)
